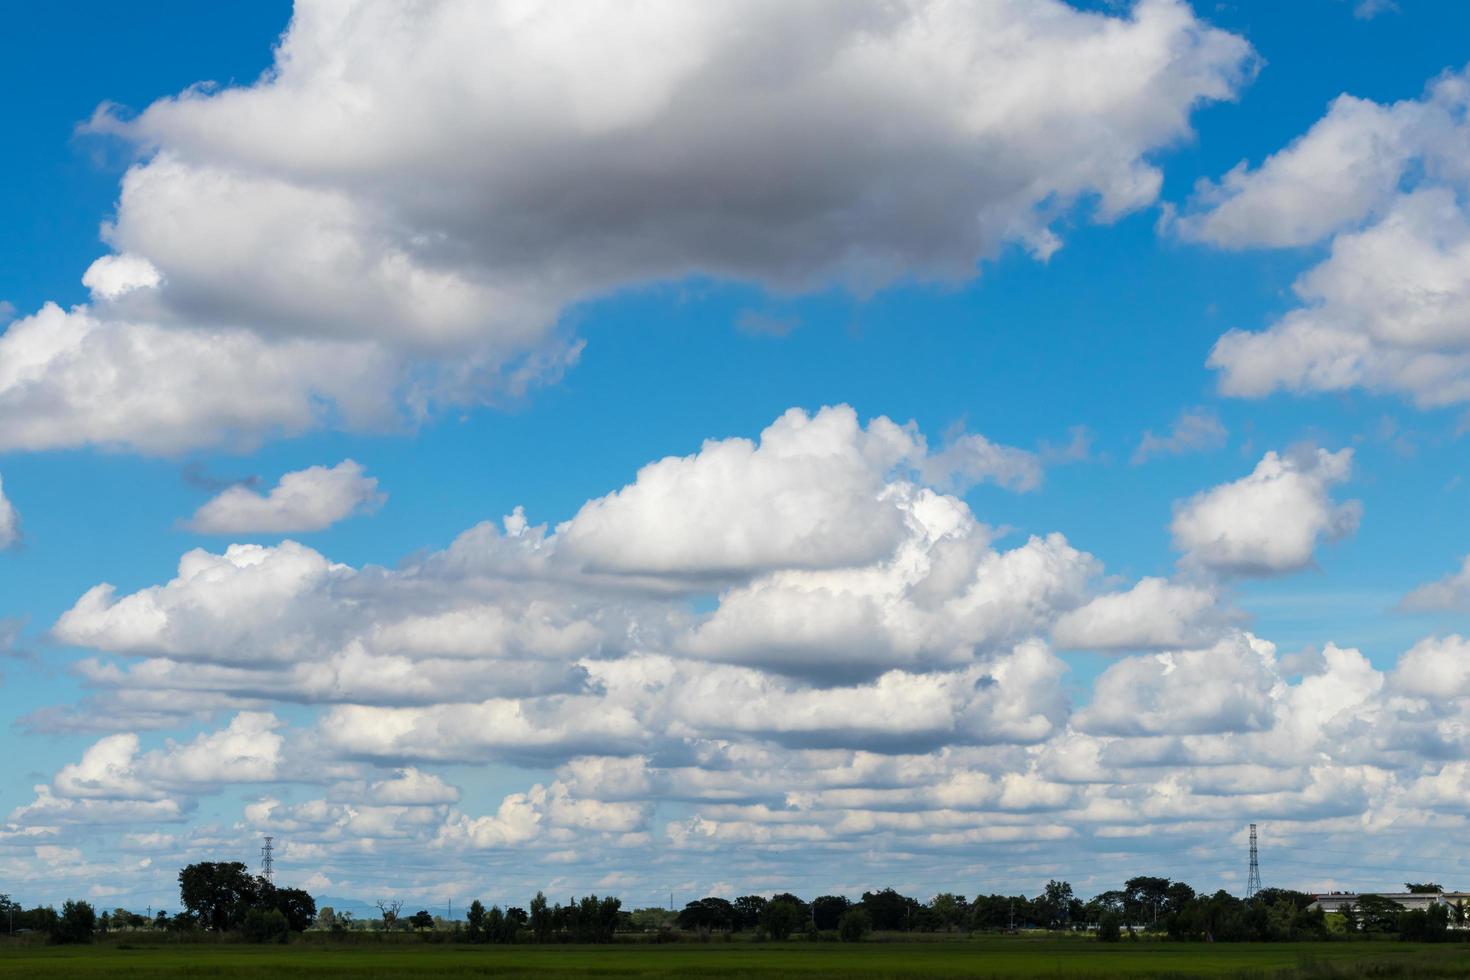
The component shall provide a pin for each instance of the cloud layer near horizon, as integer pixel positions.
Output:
(729, 684)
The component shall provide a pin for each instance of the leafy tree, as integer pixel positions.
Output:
(827, 911)
(748, 909)
(266, 925)
(422, 919)
(781, 918)
(541, 922)
(655, 919)
(77, 923)
(889, 909)
(217, 895)
(1351, 918)
(705, 915)
(1145, 898)
(497, 928)
(950, 910)
(854, 925)
(1054, 903)
(327, 918)
(104, 922)
(295, 904)
(1109, 927)
(1378, 914)
(160, 921)
(1422, 888)
(475, 920)
(1429, 925)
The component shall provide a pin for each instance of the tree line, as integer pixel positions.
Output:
(224, 897)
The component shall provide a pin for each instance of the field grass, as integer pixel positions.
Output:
(987, 957)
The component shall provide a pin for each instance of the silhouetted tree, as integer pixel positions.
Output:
(76, 924)
(217, 895)
(827, 910)
(854, 925)
(475, 921)
(781, 918)
(748, 909)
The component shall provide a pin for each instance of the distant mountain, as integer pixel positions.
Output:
(358, 908)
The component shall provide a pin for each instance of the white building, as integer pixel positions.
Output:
(1337, 901)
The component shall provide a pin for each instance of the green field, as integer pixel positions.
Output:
(989, 957)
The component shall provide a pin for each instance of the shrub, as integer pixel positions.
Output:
(1109, 928)
(854, 925)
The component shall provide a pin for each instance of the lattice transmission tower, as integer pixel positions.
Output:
(268, 869)
(1253, 880)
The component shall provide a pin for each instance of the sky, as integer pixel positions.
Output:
(733, 448)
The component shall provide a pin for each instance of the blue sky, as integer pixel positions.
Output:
(597, 282)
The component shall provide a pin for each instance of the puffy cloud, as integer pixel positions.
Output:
(1227, 688)
(1346, 167)
(412, 787)
(442, 217)
(944, 600)
(811, 493)
(1388, 309)
(115, 782)
(9, 521)
(1154, 613)
(219, 597)
(1196, 430)
(1449, 593)
(901, 702)
(247, 750)
(1269, 522)
(1435, 667)
(398, 213)
(70, 379)
(305, 500)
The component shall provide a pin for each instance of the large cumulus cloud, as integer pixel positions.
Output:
(397, 214)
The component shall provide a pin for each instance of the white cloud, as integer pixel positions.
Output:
(811, 493)
(1196, 430)
(9, 521)
(945, 599)
(70, 379)
(971, 458)
(399, 212)
(1227, 688)
(1346, 167)
(1155, 613)
(305, 500)
(1451, 593)
(1388, 310)
(1271, 521)
(903, 702)
(1435, 667)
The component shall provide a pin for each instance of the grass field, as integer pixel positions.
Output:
(989, 957)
